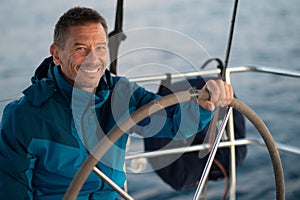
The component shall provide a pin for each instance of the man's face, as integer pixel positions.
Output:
(84, 57)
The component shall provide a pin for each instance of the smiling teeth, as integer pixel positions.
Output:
(90, 70)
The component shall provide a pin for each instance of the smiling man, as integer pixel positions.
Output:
(83, 54)
(72, 103)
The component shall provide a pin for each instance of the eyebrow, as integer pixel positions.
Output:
(79, 44)
(83, 44)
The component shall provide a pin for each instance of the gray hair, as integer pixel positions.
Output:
(75, 17)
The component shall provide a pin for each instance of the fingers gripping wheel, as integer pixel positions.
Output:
(164, 102)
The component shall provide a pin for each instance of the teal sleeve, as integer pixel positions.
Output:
(15, 164)
(180, 121)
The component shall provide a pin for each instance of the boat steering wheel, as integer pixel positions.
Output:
(163, 102)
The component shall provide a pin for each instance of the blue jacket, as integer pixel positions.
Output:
(47, 134)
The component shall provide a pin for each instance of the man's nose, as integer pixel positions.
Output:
(92, 56)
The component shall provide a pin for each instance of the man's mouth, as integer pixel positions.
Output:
(91, 69)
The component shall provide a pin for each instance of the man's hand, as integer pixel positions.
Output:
(221, 94)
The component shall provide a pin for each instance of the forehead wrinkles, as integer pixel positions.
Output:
(87, 34)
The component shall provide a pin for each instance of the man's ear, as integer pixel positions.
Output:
(54, 50)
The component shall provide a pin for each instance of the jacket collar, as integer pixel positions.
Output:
(43, 84)
(47, 80)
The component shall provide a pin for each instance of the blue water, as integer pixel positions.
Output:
(266, 33)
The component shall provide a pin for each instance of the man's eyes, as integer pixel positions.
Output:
(99, 48)
(80, 49)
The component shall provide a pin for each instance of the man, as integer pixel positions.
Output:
(72, 103)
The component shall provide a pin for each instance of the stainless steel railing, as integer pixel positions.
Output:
(232, 142)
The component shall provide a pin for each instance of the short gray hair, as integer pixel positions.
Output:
(75, 17)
